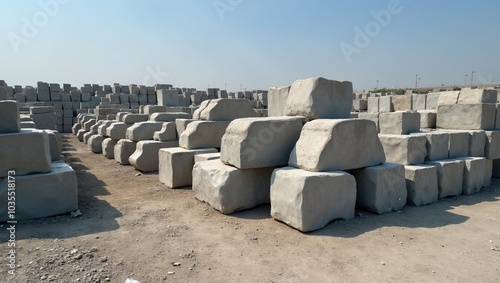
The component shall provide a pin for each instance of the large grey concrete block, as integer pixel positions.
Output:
(134, 118)
(458, 144)
(381, 188)
(228, 189)
(447, 98)
(45, 121)
(168, 132)
(319, 98)
(203, 134)
(143, 130)
(402, 102)
(492, 148)
(117, 130)
(421, 184)
(94, 128)
(475, 96)
(431, 101)
(450, 176)
(42, 195)
(419, 101)
(466, 117)
(88, 124)
(307, 201)
(181, 125)
(372, 117)
(55, 143)
(277, 97)
(108, 148)
(399, 123)
(385, 104)
(25, 152)
(168, 116)
(103, 127)
(76, 127)
(124, 148)
(339, 144)
(477, 143)
(95, 143)
(404, 149)
(167, 97)
(360, 105)
(79, 134)
(474, 168)
(87, 136)
(145, 157)
(176, 165)
(224, 110)
(9, 117)
(428, 118)
(373, 105)
(260, 142)
(150, 109)
(437, 145)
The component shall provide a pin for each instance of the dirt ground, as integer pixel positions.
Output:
(134, 227)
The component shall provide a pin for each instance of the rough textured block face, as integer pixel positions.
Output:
(319, 98)
(87, 136)
(181, 125)
(102, 129)
(474, 168)
(277, 97)
(169, 117)
(168, 132)
(260, 142)
(143, 130)
(117, 130)
(437, 145)
(145, 157)
(373, 105)
(42, 195)
(150, 109)
(95, 143)
(89, 124)
(399, 123)
(79, 135)
(206, 156)
(492, 149)
(9, 117)
(228, 189)
(402, 102)
(421, 184)
(477, 143)
(134, 118)
(428, 118)
(385, 104)
(25, 152)
(474, 96)
(108, 148)
(447, 98)
(307, 201)
(76, 127)
(372, 117)
(450, 176)
(479, 116)
(404, 149)
(360, 104)
(203, 134)
(458, 144)
(224, 110)
(45, 121)
(176, 165)
(123, 150)
(167, 97)
(340, 144)
(419, 101)
(55, 143)
(381, 188)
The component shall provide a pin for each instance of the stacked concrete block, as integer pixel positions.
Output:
(479, 116)
(143, 130)
(437, 145)
(385, 104)
(419, 101)
(167, 97)
(473, 175)
(145, 158)
(44, 117)
(428, 118)
(402, 102)
(399, 123)
(421, 184)
(277, 100)
(360, 105)
(123, 149)
(431, 101)
(168, 116)
(450, 176)
(224, 110)
(206, 156)
(168, 132)
(404, 149)
(95, 143)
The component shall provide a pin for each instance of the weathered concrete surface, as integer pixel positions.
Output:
(124, 148)
(474, 168)
(143, 130)
(55, 143)
(475, 96)
(385, 104)
(372, 117)
(408, 150)
(181, 125)
(117, 130)
(277, 97)
(79, 134)
(76, 127)
(319, 98)
(95, 143)
(87, 136)
(206, 157)
(26, 152)
(402, 102)
(428, 118)
(108, 148)
(381, 188)
(134, 118)
(477, 143)
(437, 144)
(488, 172)
(421, 184)
(228, 189)
(176, 165)
(145, 157)
(419, 101)
(224, 109)
(447, 98)
(150, 109)
(260, 142)
(450, 176)
(339, 144)
(492, 148)
(42, 195)
(9, 117)
(399, 123)
(373, 105)
(478, 117)
(168, 132)
(168, 116)
(431, 102)
(203, 134)
(458, 144)
(307, 201)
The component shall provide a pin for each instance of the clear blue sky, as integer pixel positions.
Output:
(254, 43)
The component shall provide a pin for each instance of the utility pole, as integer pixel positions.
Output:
(377, 85)
(465, 80)
(416, 81)
(472, 79)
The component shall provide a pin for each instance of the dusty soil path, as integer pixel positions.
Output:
(134, 227)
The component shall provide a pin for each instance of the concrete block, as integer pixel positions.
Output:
(9, 117)
(124, 148)
(224, 110)
(55, 96)
(143, 130)
(206, 156)
(150, 109)
(103, 127)
(117, 130)
(474, 173)
(108, 148)
(319, 98)
(339, 144)
(87, 136)
(25, 152)
(399, 123)
(145, 157)
(382, 188)
(373, 105)
(176, 165)
(370, 116)
(408, 150)
(479, 117)
(79, 134)
(476, 96)
(43, 95)
(450, 176)
(134, 118)
(168, 116)
(307, 201)
(385, 104)
(228, 189)
(477, 143)
(42, 195)
(28, 125)
(181, 125)
(402, 102)
(428, 118)
(203, 134)
(458, 144)
(95, 143)
(55, 143)
(277, 98)
(419, 101)
(447, 98)
(167, 132)
(492, 148)
(421, 184)
(260, 142)
(167, 97)
(437, 145)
